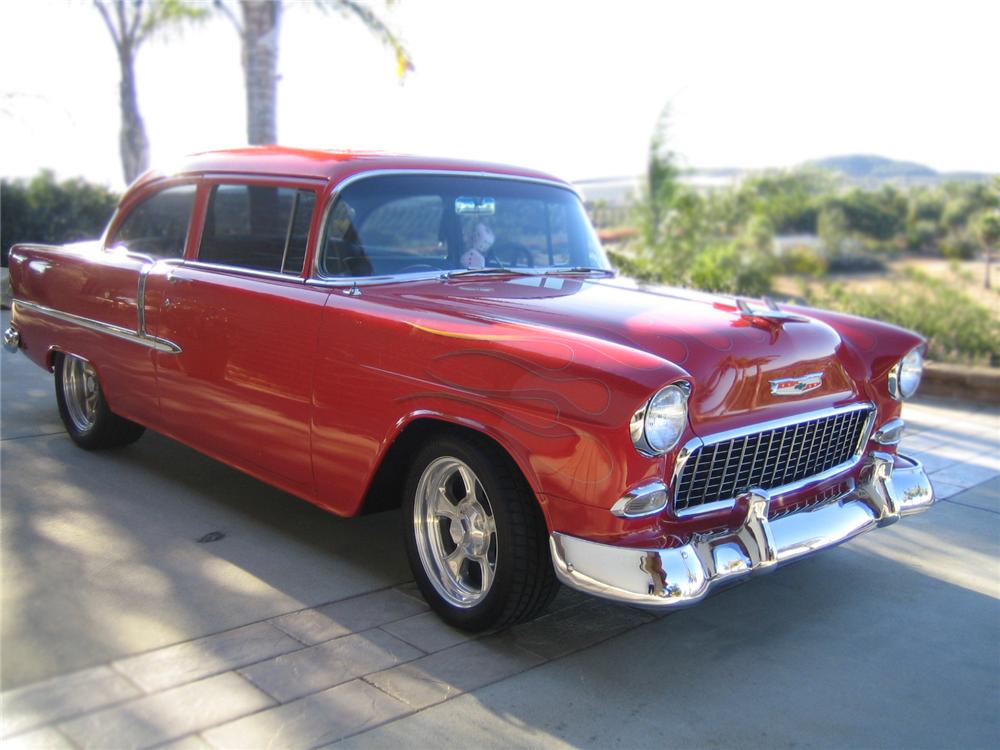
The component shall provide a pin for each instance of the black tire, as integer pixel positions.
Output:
(84, 410)
(523, 580)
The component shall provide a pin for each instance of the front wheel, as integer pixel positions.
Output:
(84, 410)
(475, 536)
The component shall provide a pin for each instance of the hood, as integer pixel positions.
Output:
(732, 358)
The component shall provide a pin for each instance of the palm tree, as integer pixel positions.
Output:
(258, 24)
(131, 23)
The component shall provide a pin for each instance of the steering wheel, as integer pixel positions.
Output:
(514, 251)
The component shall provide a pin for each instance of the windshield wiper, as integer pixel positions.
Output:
(580, 269)
(486, 271)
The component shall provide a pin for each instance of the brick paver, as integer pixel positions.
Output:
(222, 652)
(60, 697)
(171, 714)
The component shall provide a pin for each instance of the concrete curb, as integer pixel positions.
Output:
(962, 383)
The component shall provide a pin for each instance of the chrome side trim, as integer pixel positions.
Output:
(680, 576)
(125, 334)
(316, 276)
(694, 443)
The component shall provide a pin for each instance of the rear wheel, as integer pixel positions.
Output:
(475, 536)
(84, 410)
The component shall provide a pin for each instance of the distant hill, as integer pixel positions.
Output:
(871, 168)
(863, 170)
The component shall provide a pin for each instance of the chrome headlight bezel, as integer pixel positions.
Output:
(647, 436)
(904, 377)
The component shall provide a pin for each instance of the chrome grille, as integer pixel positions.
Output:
(783, 455)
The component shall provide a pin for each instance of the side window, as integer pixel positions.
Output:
(396, 235)
(260, 227)
(159, 225)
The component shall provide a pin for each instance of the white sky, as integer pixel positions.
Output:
(573, 88)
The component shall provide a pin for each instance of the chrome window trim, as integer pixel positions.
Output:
(691, 445)
(125, 334)
(256, 177)
(240, 270)
(316, 276)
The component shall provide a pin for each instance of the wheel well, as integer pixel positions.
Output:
(386, 489)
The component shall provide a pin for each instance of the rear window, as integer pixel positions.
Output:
(159, 225)
(401, 224)
(259, 227)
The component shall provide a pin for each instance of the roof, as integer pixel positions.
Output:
(327, 165)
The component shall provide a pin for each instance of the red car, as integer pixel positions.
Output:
(369, 331)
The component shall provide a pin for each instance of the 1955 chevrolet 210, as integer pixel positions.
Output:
(368, 331)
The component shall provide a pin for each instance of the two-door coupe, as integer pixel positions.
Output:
(368, 331)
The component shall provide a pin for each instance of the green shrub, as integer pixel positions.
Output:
(959, 247)
(801, 260)
(47, 210)
(958, 329)
(733, 269)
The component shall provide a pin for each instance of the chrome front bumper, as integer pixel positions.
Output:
(888, 489)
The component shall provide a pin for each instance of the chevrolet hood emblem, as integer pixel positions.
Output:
(796, 386)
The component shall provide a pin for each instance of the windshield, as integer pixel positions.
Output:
(401, 224)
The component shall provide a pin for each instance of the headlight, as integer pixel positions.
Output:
(904, 377)
(658, 425)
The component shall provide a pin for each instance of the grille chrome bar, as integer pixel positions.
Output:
(779, 456)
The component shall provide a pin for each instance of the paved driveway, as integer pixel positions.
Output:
(125, 625)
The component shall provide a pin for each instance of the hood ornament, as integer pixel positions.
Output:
(770, 311)
(796, 386)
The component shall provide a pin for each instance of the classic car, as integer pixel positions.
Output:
(370, 332)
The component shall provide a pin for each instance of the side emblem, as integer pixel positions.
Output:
(796, 386)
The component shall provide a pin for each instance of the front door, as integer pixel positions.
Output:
(240, 388)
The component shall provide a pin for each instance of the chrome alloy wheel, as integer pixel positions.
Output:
(80, 391)
(455, 532)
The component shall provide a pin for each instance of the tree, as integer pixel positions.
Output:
(989, 235)
(668, 215)
(131, 23)
(661, 187)
(258, 24)
(789, 199)
(988, 227)
(717, 243)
